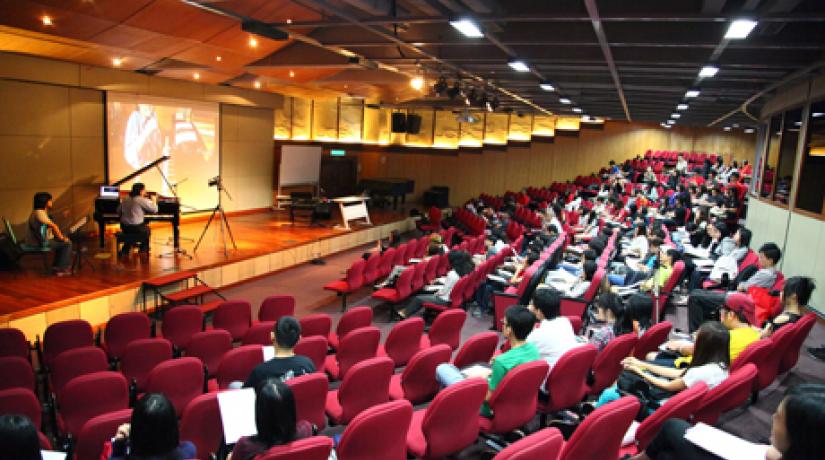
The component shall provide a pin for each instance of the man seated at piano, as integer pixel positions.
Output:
(132, 212)
(43, 232)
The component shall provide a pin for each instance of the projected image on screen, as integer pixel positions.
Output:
(142, 129)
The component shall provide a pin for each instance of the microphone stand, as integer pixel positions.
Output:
(218, 183)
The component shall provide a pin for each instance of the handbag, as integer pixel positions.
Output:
(632, 384)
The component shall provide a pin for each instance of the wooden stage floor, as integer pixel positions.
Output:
(29, 290)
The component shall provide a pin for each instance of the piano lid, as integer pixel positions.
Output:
(141, 170)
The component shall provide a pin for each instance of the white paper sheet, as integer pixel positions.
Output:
(723, 444)
(237, 414)
(52, 455)
(269, 352)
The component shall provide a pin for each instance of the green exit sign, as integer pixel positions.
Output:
(337, 153)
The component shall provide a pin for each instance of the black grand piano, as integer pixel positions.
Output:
(168, 207)
(385, 187)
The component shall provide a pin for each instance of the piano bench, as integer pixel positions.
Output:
(131, 239)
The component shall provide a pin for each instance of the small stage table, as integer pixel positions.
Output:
(352, 208)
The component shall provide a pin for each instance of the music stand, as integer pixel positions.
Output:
(78, 251)
(216, 181)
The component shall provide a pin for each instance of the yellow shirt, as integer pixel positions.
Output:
(740, 338)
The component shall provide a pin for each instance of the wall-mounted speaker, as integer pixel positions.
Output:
(399, 122)
(413, 123)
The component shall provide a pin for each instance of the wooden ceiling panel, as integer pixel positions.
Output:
(204, 76)
(299, 75)
(113, 10)
(65, 23)
(206, 55)
(175, 18)
(237, 40)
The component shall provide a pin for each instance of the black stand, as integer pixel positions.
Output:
(223, 222)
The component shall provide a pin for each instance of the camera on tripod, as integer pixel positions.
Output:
(215, 182)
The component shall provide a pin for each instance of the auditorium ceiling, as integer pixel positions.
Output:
(617, 59)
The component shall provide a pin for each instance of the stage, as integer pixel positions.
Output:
(267, 242)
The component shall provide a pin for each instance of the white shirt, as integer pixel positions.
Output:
(553, 338)
(639, 244)
(449, 281)
(712, 374)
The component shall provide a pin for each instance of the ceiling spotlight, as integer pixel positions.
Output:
(417, 83)
(47, 21)
(675, 115)
(440, 86)
(749, 131)
(547, 86)
(565, 101)
(682, 107)
(692, 93)
(577, 110)
(253, 42)
(519, 66)
(708, 71)
(218, 59)
(289, 21)
(818, 114)
(291, 74)
(256, 84)
(726, 128)
(671, 122)
(468, 27)
(740, 28)
(117, 61)
(196, 76)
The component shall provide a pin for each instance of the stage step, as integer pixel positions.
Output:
(171, 278)
(209, 307)
(186, 294)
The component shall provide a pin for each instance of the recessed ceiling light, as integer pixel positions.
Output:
(117, 61)
(519, 66)
(818, 114)
(196, 76)
(291, 74)
(726, 128)
(417, 83)
(577, 110)
(253, 42)
(740, 28)
(47, 21)
(748, 130)
(675, 115)
(289, 21)
(708, 71)
(565, 101)
(547, 86)
(256, 84)
(671, 122)
(735, 125)
(218, 58)
(692, 93)
(682, 107)
(468, 27)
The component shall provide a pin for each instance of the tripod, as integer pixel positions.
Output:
(223, 221)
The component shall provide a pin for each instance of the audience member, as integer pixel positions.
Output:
(608, 310)
(461, 265)
(152, 433)
(794, 296)
(554, 335)
(286, 364)
(18, 438)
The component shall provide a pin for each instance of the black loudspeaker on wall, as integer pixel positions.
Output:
(399, 122)
(413, 123)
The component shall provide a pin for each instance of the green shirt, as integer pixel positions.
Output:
(504, 363)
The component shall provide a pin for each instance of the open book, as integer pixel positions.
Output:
(723, 444)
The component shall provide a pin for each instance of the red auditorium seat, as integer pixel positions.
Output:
(513, 403)
(21, 401)
(17, 372)
(372, 269)
(541, 445)
(97, 431)
(668, 287)
(576, 307)
(180, 324)
(756, 353)
(357, 346)
(314, 448)
(315, 348)
(680, 406)
(457, 294)
(74, 363)
(209, 347)
(401, 291)
(566, 385)
(65, 335)
(432, 268)
(180, 380)
(201, 424)
(352, 282)
(379, 432)
(237, 364)
(310, 392)
(141, 356)
(477, 349)
(409, 251)
(801, 330)
(446, 328)
(443, 265)
(365, 385)
(421, 247)
(403, 341)
(769, 367)
(652, 338)
(122, 329)
(450, 423)
(88, 396)
(599, 437)
(434, 216)
(417, 382)
(728, 395)
(608, 363)
(13, 343)
(387, 263)
(316, 324)
(418, 276)
(234, 316)
(354, 318)
(276, 306)
(259, 334)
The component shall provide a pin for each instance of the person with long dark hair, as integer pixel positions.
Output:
(44, 233)
(152, 433)
(18, 438)
(608, 310)
(795, 295)
(275, 419)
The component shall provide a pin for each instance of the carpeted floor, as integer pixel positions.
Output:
(306, 283)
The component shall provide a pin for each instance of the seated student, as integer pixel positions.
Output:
(485, 291)
(638, 246)
(640, 270)
(275, 419)
(152, 433)
(569, 285)
(575, 268)
(638, 315)
(461, 264)
(796, 431)
(608, 311)
(18, 439)
(436, 246)
(735, 319)
(554, 335)
(42, 232)
(517, 323)
(702, 304)
(667, 258)
(794, 296)
(286, 364)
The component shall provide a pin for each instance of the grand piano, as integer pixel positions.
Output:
(390, 186)
(168, 207)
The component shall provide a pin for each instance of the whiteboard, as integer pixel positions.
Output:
(300, 164)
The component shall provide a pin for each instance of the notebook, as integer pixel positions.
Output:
(723, 444)
(237, 409)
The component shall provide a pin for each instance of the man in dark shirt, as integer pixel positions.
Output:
(286, 364)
